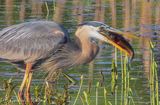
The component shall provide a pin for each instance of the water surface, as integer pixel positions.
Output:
(139, 17)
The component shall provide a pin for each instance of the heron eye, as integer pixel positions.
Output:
(102, 28)
(93, 40)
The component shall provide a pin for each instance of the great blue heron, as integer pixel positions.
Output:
(47, 44)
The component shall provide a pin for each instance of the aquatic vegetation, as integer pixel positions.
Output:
(81, 83)
(113, 79)
(153, 78)
(9, 91)
(44, 94)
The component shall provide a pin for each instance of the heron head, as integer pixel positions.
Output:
(108, 34)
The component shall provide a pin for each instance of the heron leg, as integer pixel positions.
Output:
(28, 96)
(20, 93)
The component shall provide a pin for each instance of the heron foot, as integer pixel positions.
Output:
(21, 97)
(26, 84)
(28, 98)
(28, 95)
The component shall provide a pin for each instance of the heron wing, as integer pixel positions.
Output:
(31, 41)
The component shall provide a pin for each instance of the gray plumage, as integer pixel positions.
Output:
(45, 44)
(30, 41)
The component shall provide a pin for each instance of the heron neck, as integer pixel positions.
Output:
(71, 54)
(88, 50)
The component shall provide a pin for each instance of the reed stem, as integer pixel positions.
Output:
(81, 83)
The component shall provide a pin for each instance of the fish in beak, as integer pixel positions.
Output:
(112, 36)
(115, 38)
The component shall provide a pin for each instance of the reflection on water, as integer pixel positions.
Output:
(146, 35)
(22, 11)
(9, 11)
(139, 17)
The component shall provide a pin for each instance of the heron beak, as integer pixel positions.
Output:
(115, 38)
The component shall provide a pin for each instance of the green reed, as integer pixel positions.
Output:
(125, 74)
(97, 86)
(105, 95)
(47, 9)
(9, 89)
(114, 78)
(86, 98)
(78, 94)
(153, 78)
(126, 91)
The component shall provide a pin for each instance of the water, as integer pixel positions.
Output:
(138, 17)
